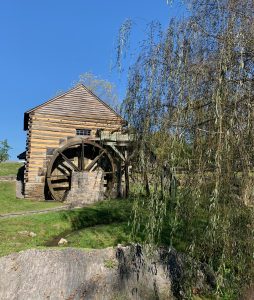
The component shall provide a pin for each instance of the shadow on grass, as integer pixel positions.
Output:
(108, 220)
(106, 212)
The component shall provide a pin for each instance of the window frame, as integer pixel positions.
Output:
(83, 131)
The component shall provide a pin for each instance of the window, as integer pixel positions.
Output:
(83, 131)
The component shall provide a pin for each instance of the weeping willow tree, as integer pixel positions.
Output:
(104, 89)
(190, 102)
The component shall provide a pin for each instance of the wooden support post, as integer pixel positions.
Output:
(127, 182)
(119, 174)
(82, 156)
(126, 174)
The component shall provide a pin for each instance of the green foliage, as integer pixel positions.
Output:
(190, 101)
(161, 144)
(4, 149)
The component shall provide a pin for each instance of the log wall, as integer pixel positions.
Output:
(47, 132)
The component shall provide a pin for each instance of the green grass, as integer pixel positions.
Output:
(7, 169)
(45, 226)
(100, 236)
(102, 225)
(9, 203)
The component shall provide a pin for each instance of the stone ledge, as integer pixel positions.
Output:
(8, 178)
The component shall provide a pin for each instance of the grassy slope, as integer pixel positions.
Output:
(9, 203)
(9, 168)
(102, 225)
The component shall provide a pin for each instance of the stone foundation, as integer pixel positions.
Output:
(34, 190)
(19, 189)
(86, 188)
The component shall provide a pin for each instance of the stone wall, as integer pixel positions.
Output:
(86, 188)
(8, 178)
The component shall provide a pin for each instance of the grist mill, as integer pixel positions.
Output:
(76, 150)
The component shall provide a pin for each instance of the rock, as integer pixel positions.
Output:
(27, 233)
(76, 274)
(62, 242)
(32, 234)
(103, 274)
(24, 232)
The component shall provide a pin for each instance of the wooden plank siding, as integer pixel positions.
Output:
(52, 123)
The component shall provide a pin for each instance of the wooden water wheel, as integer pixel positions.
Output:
(78, 156)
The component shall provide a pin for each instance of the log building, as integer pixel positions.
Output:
(75, 132)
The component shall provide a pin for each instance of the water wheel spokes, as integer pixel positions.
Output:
(69, 161)
(78, 156)
(94, 161)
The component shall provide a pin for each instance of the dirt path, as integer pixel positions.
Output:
(33, 212)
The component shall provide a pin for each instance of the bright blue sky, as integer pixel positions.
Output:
(46, 44)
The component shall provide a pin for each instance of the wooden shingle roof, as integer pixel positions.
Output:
(79, 101)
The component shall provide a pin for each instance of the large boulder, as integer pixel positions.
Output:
(78, 274)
